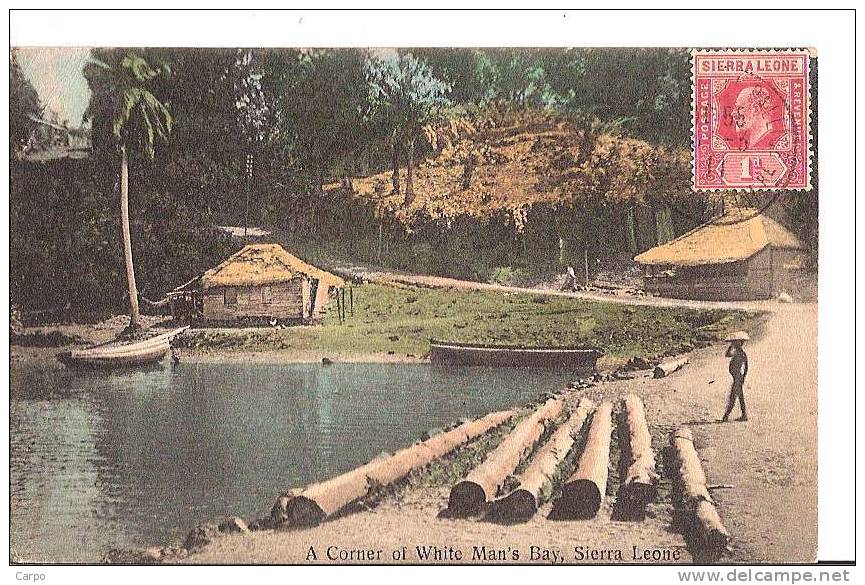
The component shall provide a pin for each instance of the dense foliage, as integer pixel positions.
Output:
(24, 105)
(336, 148)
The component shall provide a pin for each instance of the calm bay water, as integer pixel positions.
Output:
(105, 460)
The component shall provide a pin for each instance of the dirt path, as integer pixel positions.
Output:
(384, 276)
(770, 463)
(771, 460)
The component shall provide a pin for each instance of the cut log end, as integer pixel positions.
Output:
(581, 500)
(632, 499)
(466, 499)
(302, 511)
(518, 506)
(715, 535)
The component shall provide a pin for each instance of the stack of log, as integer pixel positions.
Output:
(535, 483)
(471, 496)
(582, 494)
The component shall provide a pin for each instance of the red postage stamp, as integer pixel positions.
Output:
(751, 118)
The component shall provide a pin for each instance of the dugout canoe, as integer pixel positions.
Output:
(122, 355)
(476, 354)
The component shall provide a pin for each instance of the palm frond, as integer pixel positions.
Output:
(122, 100)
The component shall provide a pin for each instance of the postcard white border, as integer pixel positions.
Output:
(830, 32)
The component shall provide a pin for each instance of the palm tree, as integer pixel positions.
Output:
(408, 96)
(126, 114)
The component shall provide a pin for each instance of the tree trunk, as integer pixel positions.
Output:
(664, 224)
(694, 499)
(395, 164)
(666, 368)
(630, 232)
(639, 480)
(584, 492)
(468, 170)
(321, 500)
(409, 187)
(470, 496)
(134, 315)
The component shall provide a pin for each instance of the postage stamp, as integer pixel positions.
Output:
(751, 119)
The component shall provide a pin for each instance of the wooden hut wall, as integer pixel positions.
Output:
(727, 281)
(773, 271)
(762, 273)
(286, 301)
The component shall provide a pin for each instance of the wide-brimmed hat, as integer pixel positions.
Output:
(737, 336)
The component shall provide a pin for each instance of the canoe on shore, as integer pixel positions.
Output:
(122, 355)
(476, 354)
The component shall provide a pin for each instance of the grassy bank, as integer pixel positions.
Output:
(400, 321)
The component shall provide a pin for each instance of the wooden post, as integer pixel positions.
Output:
(536, 481)
(638, 487)
(470, 496)
(586, 264)
(351, 298)
(584, 492)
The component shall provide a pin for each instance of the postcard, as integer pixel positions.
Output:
(408, 305)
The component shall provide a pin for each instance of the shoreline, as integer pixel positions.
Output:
(47, 355)
(692, 396)
(409, 515)
(294, 357)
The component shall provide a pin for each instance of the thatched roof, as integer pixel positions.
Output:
(722, 240)
(261, 264)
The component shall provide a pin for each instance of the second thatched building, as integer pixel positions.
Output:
(740, 256)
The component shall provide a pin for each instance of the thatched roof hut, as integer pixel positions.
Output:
(740, 255)
(259, 283)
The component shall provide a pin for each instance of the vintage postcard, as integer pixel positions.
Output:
(392, 305)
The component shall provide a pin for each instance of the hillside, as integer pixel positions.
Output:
(505, 162)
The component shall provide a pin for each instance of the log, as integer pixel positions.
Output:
(691, 480)
(470, 496)
(321, 500)
(666, 368)
(583, 492)
(534, 483)
(639, 484)
(695, 499)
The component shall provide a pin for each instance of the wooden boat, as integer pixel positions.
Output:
(476, 354)
(116, 355)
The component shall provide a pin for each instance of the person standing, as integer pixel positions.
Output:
(738, 370)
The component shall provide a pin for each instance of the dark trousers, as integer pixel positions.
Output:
(736, 393)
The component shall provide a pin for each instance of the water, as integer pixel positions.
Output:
(105, 460)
